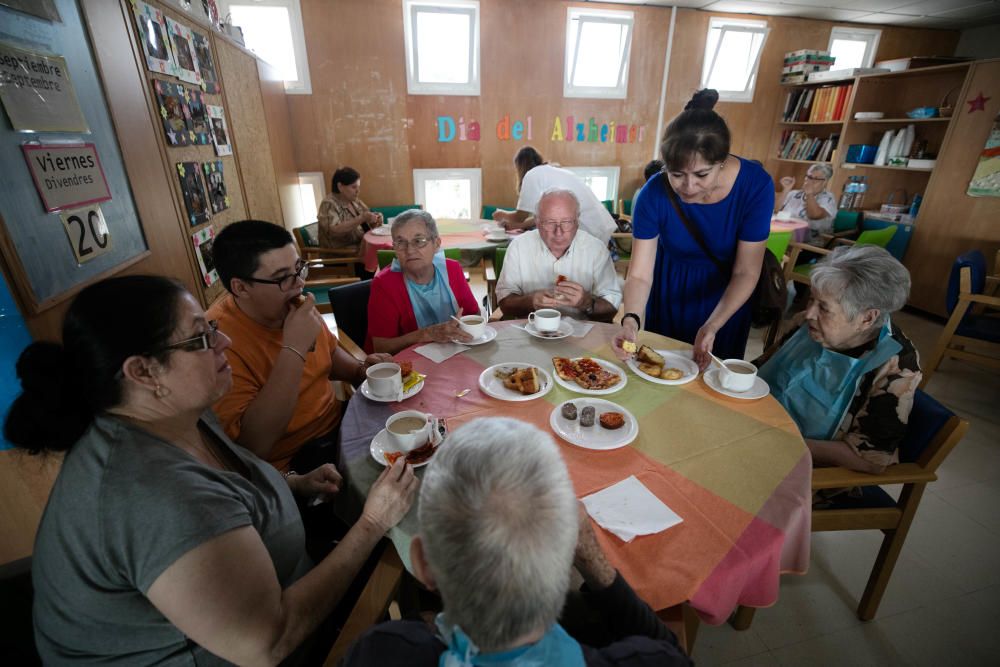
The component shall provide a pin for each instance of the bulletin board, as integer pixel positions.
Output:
(37, 245)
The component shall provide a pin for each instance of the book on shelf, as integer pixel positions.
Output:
(825, 104)
(799, 145)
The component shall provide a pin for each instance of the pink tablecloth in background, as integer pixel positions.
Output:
(798, 228)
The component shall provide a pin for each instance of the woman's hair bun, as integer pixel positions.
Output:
(705, 98)
(41, 368)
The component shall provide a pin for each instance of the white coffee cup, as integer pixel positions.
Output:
(384, 380)
(474, 325)
(783, 215)
(409, 429)
(545, 319)
(737, 375)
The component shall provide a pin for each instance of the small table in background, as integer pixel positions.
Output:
(798, 228)
(463, 233)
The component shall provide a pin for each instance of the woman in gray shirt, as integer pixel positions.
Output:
(162, 541)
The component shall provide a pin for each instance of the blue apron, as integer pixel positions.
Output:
(816, 385)
(554, 649)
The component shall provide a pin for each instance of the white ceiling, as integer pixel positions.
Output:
(947, 14)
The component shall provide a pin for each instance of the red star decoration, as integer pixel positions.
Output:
(978, 103)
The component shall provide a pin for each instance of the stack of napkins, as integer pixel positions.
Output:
(628, 509)
(438, 352)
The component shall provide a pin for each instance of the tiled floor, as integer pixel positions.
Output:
(943, 601)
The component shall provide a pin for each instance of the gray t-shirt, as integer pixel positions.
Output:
(126, 506)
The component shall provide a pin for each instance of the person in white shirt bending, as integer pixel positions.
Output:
(558, 265)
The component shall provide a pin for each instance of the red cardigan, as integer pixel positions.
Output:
(390, 313)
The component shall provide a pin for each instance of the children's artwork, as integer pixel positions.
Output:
(195, 200)
(212, 12)
(986, 178)
(203, 241)
(174, 111)
(153, 32)
(182, 41)
(203, 51)
(200, 127)
(216, 186)
(220, 135)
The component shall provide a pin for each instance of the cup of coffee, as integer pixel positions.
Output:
(384, 380)
(545, 319)
(737, 375)
(409, 429)
(783, 215)
(474, 325)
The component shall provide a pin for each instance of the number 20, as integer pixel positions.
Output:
(101, 240)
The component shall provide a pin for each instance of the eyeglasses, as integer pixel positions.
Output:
(204, 341)
(418, 243)
(286, 282)
(561, 225)
(814, 178)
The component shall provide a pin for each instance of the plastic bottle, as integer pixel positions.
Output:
(859, 198)
(915, 205)
(847, 197)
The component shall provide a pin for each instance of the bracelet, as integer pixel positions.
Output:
(290, 473)
(638, 322)
(289, 347)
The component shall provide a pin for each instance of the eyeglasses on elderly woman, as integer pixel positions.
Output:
(419, 243)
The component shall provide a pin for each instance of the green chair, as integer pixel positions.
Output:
(777, 242)
(625, 207)
(800, 272)
(610, 205)
(486, 213)
(845, 226)
(392, 211)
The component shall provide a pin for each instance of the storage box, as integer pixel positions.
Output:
(861, 153)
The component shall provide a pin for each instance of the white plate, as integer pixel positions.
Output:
(565, 329)
(367, 393)
(606, 365)
(758, 390)
(487, 336)
(674, 360)
(384, 230)
(596, 436)
(381, 444)
(493, 386)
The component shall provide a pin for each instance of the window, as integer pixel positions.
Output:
(732, 55)
(602, 181)
(598, 44)
(310, 189)
(853, 47)
(273, 30)
(449, 193)
(442, 46)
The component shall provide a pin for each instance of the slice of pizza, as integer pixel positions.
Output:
(565, 368)
(591, 375)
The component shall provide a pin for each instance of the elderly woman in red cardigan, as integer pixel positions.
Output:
(414, 299)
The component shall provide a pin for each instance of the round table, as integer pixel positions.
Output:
(737, 472)
(798, 228)
(463, 233)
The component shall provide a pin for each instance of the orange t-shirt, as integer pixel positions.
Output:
(252, 356)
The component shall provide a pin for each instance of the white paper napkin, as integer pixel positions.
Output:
(629, 509)
(580, 329)
(438, 352)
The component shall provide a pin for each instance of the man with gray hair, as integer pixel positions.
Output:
(500, 529)
(813, 203)
(558, 265)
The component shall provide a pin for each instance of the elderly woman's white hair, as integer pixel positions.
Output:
(416, 214)
(862, 277)
(498, 521)
(823, 170)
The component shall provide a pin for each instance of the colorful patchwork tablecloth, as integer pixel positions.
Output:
(737, 472)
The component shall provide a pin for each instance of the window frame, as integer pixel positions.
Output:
(734, 25)
(318, 180)
(586, 15)
(410, 40)
(612, 172)
(870, 36)
(475, 175)
(302, 85)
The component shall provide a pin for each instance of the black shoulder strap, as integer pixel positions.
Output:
(693, 229)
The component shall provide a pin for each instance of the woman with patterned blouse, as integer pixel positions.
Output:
(343, 217)
(847, 376)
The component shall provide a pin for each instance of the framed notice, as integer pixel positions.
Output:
(182, 43)
(87, 232)
(155, 39)
(203, 240)
(66, 175)
(220, 134)
(37, 92)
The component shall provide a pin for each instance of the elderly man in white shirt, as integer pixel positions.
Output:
(558, 265)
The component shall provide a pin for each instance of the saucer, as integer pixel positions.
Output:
(565, 329)
(757, 391)
(487, 336)
(381, 444)
(384, 230)
(367, 393)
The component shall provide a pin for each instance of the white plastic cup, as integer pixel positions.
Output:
(737, 375)
(409, 438)
(384, 380)
(545, 319)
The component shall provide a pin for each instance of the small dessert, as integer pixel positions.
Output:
(405, 368)
(671, 374)
(612, 420)
(569, 411)
(651, 356)
(628, 346)
(524, 380)
(587, 416)
(650, 369)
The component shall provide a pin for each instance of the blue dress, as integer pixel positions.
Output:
(687, 285)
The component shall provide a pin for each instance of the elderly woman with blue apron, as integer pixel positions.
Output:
(847, 375)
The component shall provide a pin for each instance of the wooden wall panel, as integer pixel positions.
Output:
(272, 91)
(25, 484)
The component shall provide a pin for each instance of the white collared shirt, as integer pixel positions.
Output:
(530, 266)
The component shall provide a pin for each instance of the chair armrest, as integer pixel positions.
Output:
(489, 273)
(625, 217)
(901, 473)
(843, 241)
(981, 298)
(621, 235)
(810, 248)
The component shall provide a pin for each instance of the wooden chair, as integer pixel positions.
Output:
(487, 211)
(491, 271)
(625, 209)
(321, 278)
(350, 309)
(974, 309)
(777, 243)
(800, 272)
(624, 258)
(307, 239)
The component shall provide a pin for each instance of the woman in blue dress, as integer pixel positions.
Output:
(682, 291)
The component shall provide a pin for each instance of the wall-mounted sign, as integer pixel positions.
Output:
(66, 175)
(569, 128)
(87, 232)
(37, 92)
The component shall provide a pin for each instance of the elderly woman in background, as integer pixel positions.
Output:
(847, 376)
(500, 531)
(343, 218)
(163, 541)
(414, 299)
(813, 203)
